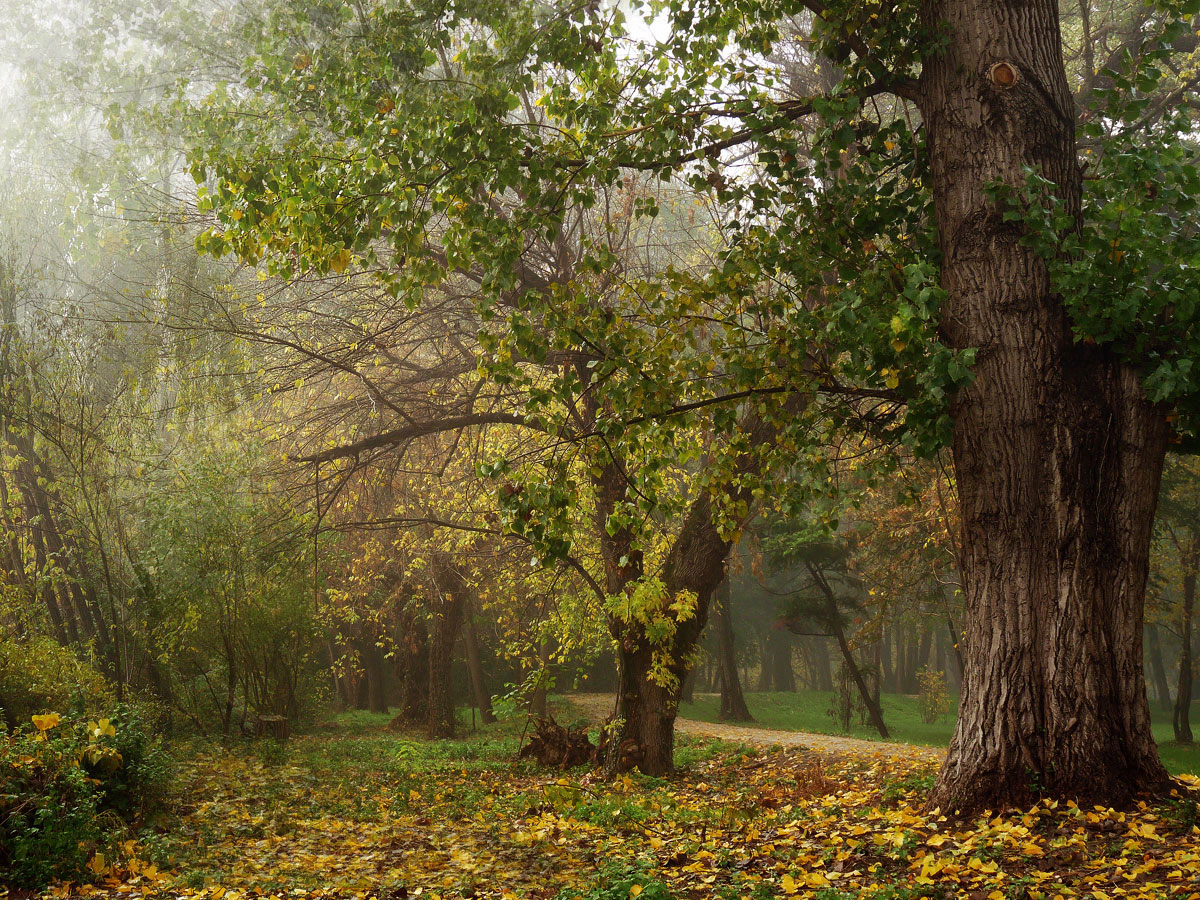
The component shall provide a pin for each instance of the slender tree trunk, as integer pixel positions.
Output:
(374, 675)
(1158, 670)
(689, 686)
(911, 656)
(539, 708)
(765, 670)
(362, 692)
(886, 671)
(926, 645)
(475, 666)
(1183, 694)
(877, 675)
(414, 657)
(1057, 452)
(648, 696)
(779, 642)
(733, 702)
(824, 673)
(446, 619)
(648, 702)
(834, 616)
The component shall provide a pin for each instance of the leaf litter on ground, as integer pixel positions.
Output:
(373, 817)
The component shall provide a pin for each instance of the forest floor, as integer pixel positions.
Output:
(353, 810)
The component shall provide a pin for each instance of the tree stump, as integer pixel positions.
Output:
(271, 726)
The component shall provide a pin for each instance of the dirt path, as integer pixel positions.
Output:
(597, 707)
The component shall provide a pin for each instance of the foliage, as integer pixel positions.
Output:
(934, 697)
(619, 882)
(657, 617)
(38, 673)
(65, 782)
(229, 591)
(1123, 278)
(338, 815)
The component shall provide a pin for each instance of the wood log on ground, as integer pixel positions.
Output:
(554, 745)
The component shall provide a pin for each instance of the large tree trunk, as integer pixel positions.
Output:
(648, 694)
(1181, 720)
(733, 701)
(1057, 452)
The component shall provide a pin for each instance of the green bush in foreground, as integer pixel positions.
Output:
(68, 786)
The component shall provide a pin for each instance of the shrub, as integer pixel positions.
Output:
(38, 673)
(65, 783)
(934, 698)
(846, 702)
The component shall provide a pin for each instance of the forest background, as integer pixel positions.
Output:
(296, 416)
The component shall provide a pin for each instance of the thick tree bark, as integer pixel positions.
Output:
(475, 667)
(1181, 719)
(1057, 452)
(733, 702)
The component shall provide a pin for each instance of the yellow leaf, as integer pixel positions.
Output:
(634, 890)
(340, 260)
(788, 883)
(46, 722)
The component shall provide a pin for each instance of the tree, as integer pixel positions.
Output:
(733, 702)
(1178, 559)
(909, 256)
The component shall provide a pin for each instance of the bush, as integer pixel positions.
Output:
(65, 783)
(38, 673)
(934, 698)
(847, 702)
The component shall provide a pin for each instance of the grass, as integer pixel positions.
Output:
(806, 711)
(351, 808)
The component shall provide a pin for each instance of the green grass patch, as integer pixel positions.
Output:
(806, 711)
